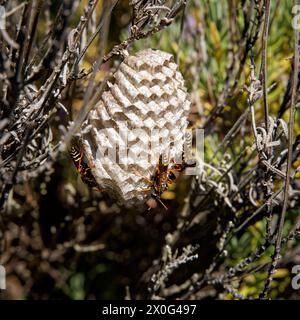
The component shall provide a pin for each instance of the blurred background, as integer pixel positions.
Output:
(63, 240)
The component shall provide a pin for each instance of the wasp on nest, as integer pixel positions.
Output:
(146, 102)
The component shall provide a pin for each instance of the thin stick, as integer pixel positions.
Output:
(263, 70)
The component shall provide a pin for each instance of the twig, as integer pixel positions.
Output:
(263, 70)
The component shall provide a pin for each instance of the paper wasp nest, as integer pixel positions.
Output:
(141, 115)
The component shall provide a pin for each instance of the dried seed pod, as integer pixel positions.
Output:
(141, 115)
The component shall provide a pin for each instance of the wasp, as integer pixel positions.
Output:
(82, 167)
(163, 177)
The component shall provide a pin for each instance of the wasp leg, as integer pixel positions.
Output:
(144, 177)
(98, 189)
(145, 190)
(159, 200)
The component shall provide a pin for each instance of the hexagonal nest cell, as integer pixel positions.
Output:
(142, 114)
